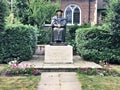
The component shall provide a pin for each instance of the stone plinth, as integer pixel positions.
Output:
(58, 54)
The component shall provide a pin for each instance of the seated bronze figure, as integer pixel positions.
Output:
(58, 28)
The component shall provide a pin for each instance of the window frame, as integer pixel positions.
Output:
(72, 9)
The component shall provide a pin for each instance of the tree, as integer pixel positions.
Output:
(106, 3)
(35, 12)
(42, 11)
(113, 20)
(3, 8)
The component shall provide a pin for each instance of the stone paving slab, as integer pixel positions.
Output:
(78, 62)
(59, 81)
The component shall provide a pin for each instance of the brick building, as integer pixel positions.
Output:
(81, 11)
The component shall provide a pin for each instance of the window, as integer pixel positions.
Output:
(72, 14)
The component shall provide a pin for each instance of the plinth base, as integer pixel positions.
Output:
(58, 54)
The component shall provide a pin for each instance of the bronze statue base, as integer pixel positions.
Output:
(58, 43)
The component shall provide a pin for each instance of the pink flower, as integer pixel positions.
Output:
(110, 67)
(35, 71)
(84, 69)
(14, 66)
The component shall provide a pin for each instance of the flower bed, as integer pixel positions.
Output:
(14, 68)
(105, 71)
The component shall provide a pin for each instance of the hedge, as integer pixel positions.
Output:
(96, 44)
(17, 41)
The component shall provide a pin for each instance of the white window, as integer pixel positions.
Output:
(73, 14)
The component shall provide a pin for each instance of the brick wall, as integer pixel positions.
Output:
(86, 16)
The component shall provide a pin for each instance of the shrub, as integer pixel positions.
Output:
(44, 36)
(18, 41)
(95, 44)
(70, 34)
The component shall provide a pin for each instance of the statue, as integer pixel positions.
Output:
(58, 28)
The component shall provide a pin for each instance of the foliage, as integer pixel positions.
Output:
(113, 21)
(3, 8)
(35, 12)
(11, 19)
(17, 41)
(85, 25)
(72, 29)
(106, 70)
(106, 3)
(70, 34)
(43, 36)
(96, 44)
(15, 68)
(21, 10)
(99, 72)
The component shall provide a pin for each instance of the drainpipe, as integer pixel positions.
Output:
(89, 11)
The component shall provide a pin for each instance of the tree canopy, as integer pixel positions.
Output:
(113, 20)
(34, 12)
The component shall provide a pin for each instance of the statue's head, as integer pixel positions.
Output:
(59, 12)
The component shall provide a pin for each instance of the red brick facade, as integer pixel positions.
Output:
(88, 9)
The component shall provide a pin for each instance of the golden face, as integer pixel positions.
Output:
(59, 14)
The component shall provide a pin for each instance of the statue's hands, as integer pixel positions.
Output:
(59, 25)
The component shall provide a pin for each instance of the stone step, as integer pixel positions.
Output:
(78, 62)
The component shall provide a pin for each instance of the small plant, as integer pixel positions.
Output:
(88, 71)
(15, 68)
(105, 71)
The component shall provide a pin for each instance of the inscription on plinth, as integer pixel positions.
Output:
(58, 54)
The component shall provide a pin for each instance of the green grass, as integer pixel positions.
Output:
(18, 82)
(116, 67)
(2, 66)
(99, 83)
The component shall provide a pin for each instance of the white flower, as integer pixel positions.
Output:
(12, 62)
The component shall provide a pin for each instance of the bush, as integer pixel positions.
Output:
(44, 36)
(17, 41)
(70, 35)
(95, 44)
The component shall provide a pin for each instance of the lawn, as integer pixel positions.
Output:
(99, 83)
(116, 67)
(2, 66)
(18, 82)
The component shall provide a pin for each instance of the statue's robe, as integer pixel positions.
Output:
(58, 33)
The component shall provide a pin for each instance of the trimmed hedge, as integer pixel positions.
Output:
(96, 44)
(17, 41)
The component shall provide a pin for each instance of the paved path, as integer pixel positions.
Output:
(59, 81)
